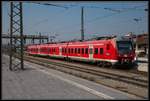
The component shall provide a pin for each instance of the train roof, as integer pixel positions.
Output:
(76, 42)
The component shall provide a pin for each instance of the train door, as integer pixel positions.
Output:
(108, 51)
(101, 53)
(60, 50)
(91, 52)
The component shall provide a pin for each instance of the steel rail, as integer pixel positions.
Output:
(126, 79)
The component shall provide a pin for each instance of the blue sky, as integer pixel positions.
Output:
(100, 18)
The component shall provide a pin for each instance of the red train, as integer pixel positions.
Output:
(103, 52)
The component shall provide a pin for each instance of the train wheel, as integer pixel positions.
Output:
(110, 65)
(106, 64)
(100, 64)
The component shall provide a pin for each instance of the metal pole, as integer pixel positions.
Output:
(21, 33)
(11, 22)
(47, 40)
(40, 38)
(32, 40)
(82, 23)
(24, 40)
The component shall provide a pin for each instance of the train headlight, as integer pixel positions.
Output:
(135, 58)
(125, 55)
(107, 54)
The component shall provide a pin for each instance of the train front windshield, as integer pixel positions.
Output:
(124, 47)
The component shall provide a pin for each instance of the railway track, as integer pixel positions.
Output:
(81, 69)
(119, 77)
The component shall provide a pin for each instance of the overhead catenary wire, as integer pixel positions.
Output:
(105, 16)
(47, 19)
(118, 11)
(90, 21)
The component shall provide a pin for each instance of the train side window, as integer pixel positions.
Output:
(82, 50)
(44, 49)
(72, 50)
(101, 50)
(86, 51)
(108, 47)
(75, 50)
(78, 50)
(96, 51)
(65, 50)
(69, 50)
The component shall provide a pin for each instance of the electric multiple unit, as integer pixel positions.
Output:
(106, 51)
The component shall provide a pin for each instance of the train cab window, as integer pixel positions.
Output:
(86, 51)
(96, 51)
(82, 50)
(78, 50)
(101, 50)
(108, 47)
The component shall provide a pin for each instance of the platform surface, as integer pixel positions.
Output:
(38, 82)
